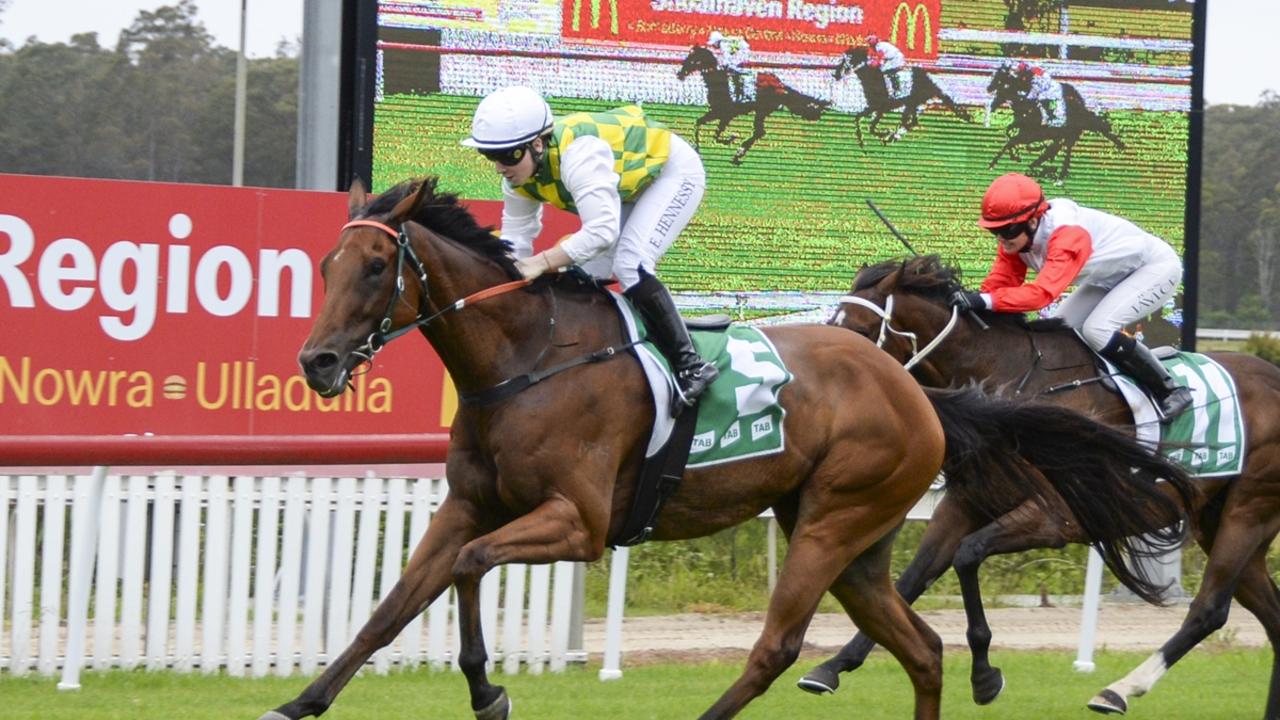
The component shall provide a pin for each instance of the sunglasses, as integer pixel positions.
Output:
(506, 156)
(1009, 232)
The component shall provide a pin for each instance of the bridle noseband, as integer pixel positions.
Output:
(379, 338)
(886, 327)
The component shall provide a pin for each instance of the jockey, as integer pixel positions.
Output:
(890, 60)
(732, 52)
(631, 212)
(1045, 91)
(1122, 274)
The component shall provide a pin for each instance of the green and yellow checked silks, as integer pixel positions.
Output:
(1207, 439)
(640, 149)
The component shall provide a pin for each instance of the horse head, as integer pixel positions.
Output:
(853, 58)
(1005, 86)
(393, 270)
(699, 59)
(901, 306)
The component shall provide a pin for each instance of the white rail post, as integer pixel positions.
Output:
(1089, 613)
(84, 540)
(612, 668)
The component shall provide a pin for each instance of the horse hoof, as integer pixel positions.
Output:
(819, 681)
(273, 715)
(499, 709)
(1108, 702)
(988, 687)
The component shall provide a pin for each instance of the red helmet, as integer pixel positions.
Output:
(1012, 198)
(873, 39)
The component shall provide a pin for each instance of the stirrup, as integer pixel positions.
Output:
(693, 381)
(1174, 404)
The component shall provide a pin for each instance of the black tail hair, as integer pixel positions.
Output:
(1002, 451)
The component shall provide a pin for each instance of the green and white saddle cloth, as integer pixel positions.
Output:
(739, 417)
(1207, 439)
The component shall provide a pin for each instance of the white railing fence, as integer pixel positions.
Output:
(256, 575)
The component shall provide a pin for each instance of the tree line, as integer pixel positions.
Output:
(157, 106)
(160, 106)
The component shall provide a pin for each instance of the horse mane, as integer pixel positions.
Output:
(443, 214)
(927, 276)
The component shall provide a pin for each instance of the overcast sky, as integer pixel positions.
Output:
(1242, 55)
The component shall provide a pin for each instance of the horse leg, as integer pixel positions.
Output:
(757, 133)
(425, 576)
(720, 138)
(555, 530)
(1237, 550)
(1258, 593)
(1024, 528)
(697, 129)
(857, 126)
(1008, 146)
(949, 524)
(885, 617)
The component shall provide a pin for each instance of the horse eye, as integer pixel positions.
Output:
(376, 266)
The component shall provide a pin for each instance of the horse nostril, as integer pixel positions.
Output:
(319, 361)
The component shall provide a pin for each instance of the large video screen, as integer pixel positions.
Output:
(798, 131)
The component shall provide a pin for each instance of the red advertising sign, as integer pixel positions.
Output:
(795, 26)
(148, 308)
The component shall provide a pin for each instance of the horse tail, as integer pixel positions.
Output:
(803, 106)
(1000, 449)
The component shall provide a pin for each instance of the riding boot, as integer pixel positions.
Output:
(668, 332)
(1135, 360)
(739, 94)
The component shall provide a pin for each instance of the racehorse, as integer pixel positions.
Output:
(1028, 126)
(879, 101)
(771, 94)
(1235, 520)
(548, 472)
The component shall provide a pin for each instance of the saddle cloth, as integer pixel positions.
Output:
(1207, 439)
(739, 417)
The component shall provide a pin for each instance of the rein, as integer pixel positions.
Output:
(886, 327)
(379, 338)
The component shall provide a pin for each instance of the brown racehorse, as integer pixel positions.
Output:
(1236, 520)
(548, 473)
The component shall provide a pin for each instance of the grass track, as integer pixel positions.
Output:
(1210, 684)
(793, 216)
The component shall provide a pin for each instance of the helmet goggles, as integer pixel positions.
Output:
(1010, 231)
(506, 156)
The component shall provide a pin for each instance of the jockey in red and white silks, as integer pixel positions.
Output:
(1122, 273)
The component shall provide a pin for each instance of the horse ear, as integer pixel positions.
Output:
(356, 198)
(889, 282)
(405, 208)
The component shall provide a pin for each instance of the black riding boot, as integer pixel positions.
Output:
(667, 330)
(1135, 360)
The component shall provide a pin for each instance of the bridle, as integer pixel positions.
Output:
(379, 338)
(886, 327)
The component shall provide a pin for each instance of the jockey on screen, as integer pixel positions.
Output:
(1122, 274)
(732, 51)
(635, 185)
(1045, 91)
(890, 60)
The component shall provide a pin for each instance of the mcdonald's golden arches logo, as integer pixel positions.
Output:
(913, 16)
(613, 15)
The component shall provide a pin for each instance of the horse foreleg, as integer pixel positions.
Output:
(426, 575)
(948, 526)
(1238, 555)
(1025, 528)
(757, 133)
(720, 138)
(553, 531)
(697, 128)
(1008, 147)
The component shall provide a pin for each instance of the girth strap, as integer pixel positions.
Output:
(660, 477)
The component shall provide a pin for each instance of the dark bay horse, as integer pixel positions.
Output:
(771, 94)
(880, 102)
(548, 473)
(1028, 126)
(1235, 518)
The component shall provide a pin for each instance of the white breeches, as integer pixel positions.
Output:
(653, 222)
(1098, 312)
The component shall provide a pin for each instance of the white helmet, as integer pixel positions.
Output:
(715, 38)
(509, 117)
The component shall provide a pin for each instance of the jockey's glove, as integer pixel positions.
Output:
(965, 300)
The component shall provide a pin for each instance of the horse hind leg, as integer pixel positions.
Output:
(947, 527)
(1237, 558)
(756, 134)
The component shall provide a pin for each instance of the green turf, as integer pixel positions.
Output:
(793, 216)
(1210, 684)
